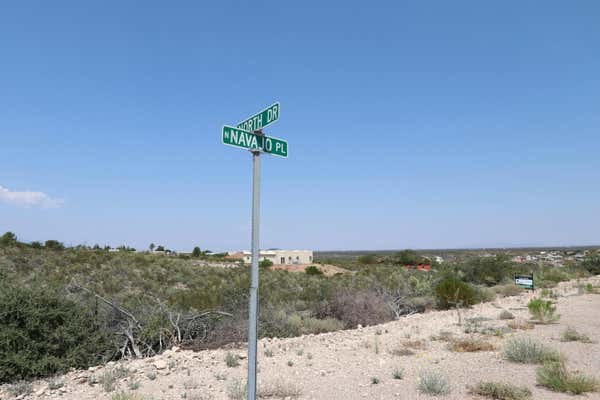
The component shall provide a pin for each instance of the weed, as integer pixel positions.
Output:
(433, 383)
(520, 324)
(232, 360)
(300, 352)
(398, 373)
(134, 385)
(279, 390)
(528, 351)
(375, 380)
(444, 336)
(309, 356)
(126, 396)
(469, 345)
(190, 384)
(415, 344)
(220, 376)
(571, 335)
(554, 376)
(108, 381)
(506, 315)
(500, 391)
(236, 390)
(268, 353)
(402, 351)
(543, 311)
(290, 363)
(151, 375)
(19, 389)
(55, 384)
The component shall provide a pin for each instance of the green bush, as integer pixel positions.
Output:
(44, 334)
(526, 350)
(555, 376)
(313, 270)
(500, 391)
(451, 292)
(542, 310)
(265, 263)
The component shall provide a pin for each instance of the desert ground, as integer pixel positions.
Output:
(354, 364)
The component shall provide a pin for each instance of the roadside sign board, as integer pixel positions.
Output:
(261, 119)
(525, 281)
(247, 140)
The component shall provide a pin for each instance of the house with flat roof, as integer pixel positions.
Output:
(276, 256)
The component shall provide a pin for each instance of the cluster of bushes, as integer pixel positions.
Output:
(79, 306)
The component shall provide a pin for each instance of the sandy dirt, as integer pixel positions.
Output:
(342, 365)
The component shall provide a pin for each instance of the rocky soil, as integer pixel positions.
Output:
(353, 364)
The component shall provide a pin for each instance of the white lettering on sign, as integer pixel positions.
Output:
(272, 114)
(267, 144)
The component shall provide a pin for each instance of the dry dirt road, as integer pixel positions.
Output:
(343, 365)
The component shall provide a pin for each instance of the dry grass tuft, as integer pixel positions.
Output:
(500, 391)
(415, 344)
(571, 335)
(469, 345)
(279, 390)
(402, 351)
(519, 324)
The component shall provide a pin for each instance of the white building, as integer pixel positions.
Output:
(279, 257)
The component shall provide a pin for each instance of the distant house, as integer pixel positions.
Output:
(420, 267)
(277, 257)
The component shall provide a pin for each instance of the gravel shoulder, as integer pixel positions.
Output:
(343, 365)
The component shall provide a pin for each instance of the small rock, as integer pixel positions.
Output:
(160, 364)
(40, 392)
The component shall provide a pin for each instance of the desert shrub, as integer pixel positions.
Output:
(357, 308)
(313, 270)
(509, 289)
(570, 334)
(232, 360)
(506, 315)
(367, 259)
(500, 391)
(20, 389)
(592, 264)
(433, 383)
(126, 396)
(236, 390)
(279, 390)
(520, 324)
(542, 310)
(398, 373)
(44, 334)
(526, 350)
(483, 294)
(554, 376)
(451, 291)
(282, 323)
(469, 345)
(265, 263)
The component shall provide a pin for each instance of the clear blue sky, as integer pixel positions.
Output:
(410, 124)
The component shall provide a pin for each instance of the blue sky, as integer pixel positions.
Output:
(410, 124)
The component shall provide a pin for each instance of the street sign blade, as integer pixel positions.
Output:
(240, 138)
(247, 140)
(261, 119)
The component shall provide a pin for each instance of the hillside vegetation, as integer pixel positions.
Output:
(74, 307)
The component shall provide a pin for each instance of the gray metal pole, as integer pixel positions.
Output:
(253, 314)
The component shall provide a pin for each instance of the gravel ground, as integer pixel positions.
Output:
(344, 365)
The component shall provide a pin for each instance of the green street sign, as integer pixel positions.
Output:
(247, 140)
(261, 119)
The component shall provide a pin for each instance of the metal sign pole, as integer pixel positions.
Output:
(253, 313)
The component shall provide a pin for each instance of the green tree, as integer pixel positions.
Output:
(8, 239)
(265, 263)
(152, 246)
(366, 259)
(36, 245)
(54, 245)
(196, 252)
(408, 257)
(160, 248)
